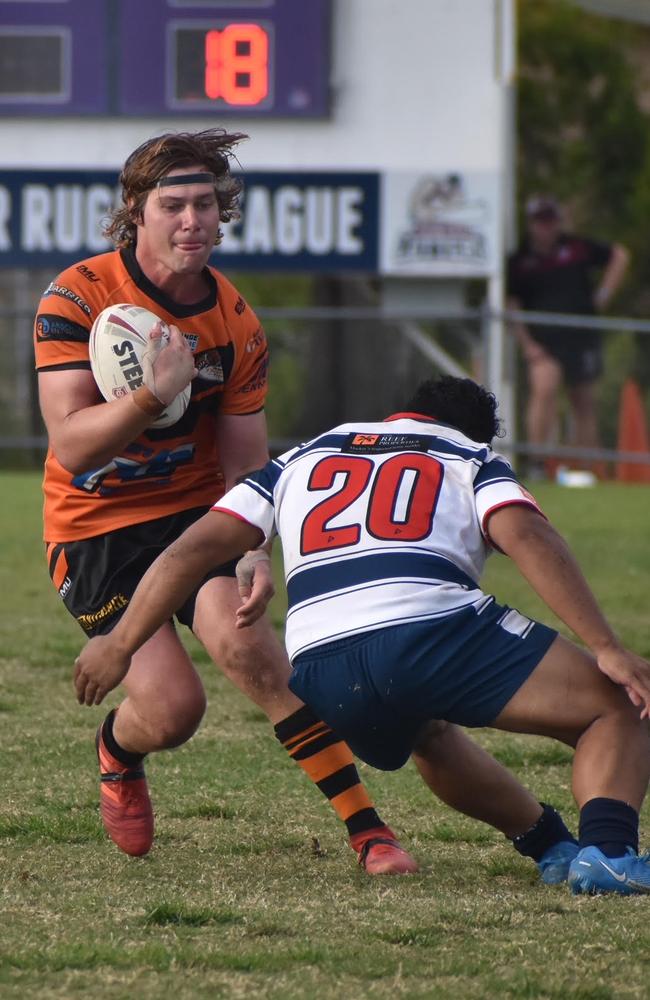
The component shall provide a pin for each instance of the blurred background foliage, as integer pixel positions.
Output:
(583, 135)
(287, 345)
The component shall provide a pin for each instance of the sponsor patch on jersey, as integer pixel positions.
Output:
(374, 444)
(87, 273)
(255, 341)
(240, 305)
(210, 366)
(67, 293)
(52, 327)
(259, 378)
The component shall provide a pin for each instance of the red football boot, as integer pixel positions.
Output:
(380, 853)
(124, 802)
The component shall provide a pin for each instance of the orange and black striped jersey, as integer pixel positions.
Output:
(164, 470)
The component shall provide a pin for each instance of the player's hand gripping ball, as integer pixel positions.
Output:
(122, 356)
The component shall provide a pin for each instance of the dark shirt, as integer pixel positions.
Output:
(561, 281)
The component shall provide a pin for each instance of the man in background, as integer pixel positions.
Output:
(556, 271)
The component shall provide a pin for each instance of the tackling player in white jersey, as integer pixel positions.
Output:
(385, 530)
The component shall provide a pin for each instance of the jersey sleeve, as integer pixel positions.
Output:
(245, 390)
(496, 486)
(62, 325)
(253, 500)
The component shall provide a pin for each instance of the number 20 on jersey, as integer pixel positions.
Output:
(403, 493)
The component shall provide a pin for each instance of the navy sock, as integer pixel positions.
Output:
(610, 825)
(549, 830)
(115, 750)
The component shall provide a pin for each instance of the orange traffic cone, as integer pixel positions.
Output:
(632, 434)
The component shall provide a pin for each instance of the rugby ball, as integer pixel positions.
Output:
(119, 340)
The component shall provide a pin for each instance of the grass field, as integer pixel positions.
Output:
(251, 889)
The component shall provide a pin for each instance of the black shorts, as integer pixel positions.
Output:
(579, 353)
(99, 575)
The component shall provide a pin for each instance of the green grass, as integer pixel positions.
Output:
(251, 889)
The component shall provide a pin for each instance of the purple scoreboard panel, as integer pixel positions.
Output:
(268, 58)
(54, 58)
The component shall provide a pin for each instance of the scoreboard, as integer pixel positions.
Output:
(268, 58)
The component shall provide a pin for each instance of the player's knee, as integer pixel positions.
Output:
(187, 721)
(629, 714)
(257, 665)
(176, 719)
(617, 709)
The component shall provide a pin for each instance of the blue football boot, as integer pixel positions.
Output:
(593, 872)
(554, 864)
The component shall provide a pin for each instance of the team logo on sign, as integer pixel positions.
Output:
(447, 225)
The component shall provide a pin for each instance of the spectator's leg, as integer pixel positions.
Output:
(544, 380)
(584, 410)
(582, 398)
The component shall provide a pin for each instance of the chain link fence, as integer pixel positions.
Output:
(348, 362)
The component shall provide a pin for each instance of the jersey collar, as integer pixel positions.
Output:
(410, 416)
(177, 309)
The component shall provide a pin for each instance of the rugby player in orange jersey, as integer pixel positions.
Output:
(118, 491)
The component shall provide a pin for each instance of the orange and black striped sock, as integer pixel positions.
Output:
(329, 763)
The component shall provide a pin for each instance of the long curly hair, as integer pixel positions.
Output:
(211, 149)
(460, 402)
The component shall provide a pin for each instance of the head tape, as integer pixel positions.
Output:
(173, 179)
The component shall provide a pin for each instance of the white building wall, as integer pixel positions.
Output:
(414, 86)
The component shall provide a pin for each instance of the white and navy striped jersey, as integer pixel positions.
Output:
(381, 524)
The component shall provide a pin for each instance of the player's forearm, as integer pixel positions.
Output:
(545, 560)
(613, 276)
(91, 437)
(213, 540)
(166, 585)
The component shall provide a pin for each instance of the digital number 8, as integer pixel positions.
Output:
(236, 64)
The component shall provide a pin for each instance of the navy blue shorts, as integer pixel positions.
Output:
(376, 690)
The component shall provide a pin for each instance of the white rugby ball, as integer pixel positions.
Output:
(119, 339)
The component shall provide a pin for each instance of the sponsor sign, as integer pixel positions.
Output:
(399, 224)
(439, 224)
(290, 221)
(304, 222)
(51, 218)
